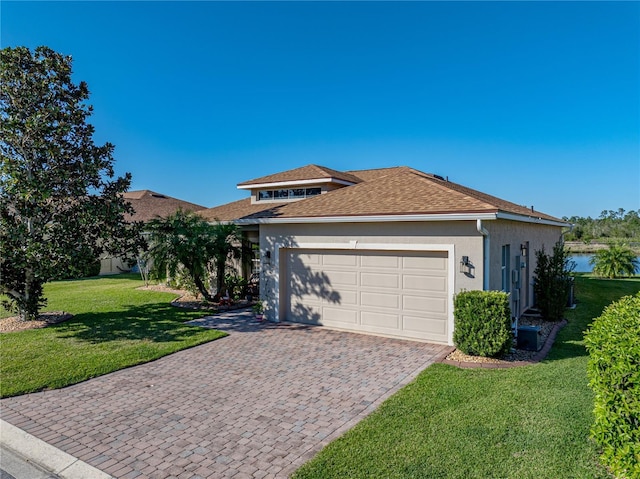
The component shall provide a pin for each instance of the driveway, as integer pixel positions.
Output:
(258, 403)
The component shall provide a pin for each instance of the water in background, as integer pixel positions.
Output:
(582, 262)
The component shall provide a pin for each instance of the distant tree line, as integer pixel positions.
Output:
(609, 226)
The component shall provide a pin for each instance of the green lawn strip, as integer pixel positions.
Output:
(527, 422)
(114, 326)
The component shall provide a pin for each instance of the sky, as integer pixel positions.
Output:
(537, 103)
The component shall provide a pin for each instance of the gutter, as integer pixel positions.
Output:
(369, 219)
(486, 252)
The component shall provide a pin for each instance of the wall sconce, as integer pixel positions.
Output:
(267, 257)
(465, 265)
(523, 250)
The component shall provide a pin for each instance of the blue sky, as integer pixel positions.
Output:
(535, 102)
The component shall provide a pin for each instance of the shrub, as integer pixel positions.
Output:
(482, 323)
(552, 282)
(613, 342)
(616, 261)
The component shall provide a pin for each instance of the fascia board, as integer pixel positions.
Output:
(531, 219)
(372, 219)
(278, 184)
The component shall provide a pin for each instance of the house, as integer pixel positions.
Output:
(147, 206)
(384, 251)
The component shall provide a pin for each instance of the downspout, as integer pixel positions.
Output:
(485, 254)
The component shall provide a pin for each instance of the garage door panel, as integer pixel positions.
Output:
(307, 258)
(403, 294)
(380, 320)
(422, 325)
(424, 263)
(342, 315)
(425, 283)
(335, 278)
(379, 261)
(423, 304)
(379, 300)
(346, 298)
(339, 260)
(380, 280)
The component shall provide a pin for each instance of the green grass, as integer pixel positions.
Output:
(114, 326)
(528, 422)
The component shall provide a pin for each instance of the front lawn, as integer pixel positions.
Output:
(114, 326)
(528, 422)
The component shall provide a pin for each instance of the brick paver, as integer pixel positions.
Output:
(258, 403)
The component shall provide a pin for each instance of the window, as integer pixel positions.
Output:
(280, 194)
(289, 194)
(506, 267)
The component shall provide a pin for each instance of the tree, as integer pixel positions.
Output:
(617, 260)
(552, 281)
(186, 240)
(60, 205)
(225, 247)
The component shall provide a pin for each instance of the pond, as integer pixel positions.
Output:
(582, 262)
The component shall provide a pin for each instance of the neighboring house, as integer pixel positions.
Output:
(384, 251)
(147, 206)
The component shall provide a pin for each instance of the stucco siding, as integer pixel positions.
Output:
(515, 234)
(456, 238)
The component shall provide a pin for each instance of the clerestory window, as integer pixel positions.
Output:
(288, 194)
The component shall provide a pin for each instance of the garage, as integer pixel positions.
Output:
(394, 293)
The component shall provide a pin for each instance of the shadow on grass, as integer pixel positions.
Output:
(593, 295)
(156, 322)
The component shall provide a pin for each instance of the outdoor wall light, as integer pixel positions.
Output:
(267, 257)
(465, 265)
(523, 250)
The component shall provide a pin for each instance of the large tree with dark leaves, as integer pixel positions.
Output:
(60, 204)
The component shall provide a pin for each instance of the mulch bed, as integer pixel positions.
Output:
(14, 323)
(517, 357)
(188, 300)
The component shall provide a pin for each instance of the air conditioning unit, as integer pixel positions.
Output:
(529, 338)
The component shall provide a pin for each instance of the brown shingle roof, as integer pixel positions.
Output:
(309, 172)
(149, 205)
(402, 191)
(381, 192)
(239, 210)
(368, 175)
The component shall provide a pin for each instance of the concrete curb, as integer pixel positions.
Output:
(45, 455)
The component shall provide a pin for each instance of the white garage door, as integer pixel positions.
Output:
(403, 294)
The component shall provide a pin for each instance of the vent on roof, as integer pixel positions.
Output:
(438, 177)
(156, 195)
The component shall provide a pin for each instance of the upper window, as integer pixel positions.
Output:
(288, 194)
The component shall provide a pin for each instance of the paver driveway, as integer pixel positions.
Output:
(258, 403)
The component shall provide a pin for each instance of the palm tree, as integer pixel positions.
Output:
(225, 246)
(616, 261)
(186, 240)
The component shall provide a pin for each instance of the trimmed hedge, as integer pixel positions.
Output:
(613, 342)
(482, 323)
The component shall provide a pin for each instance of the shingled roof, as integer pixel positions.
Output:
(304, 173)
(149, 205)
(397, 191)
(241, 209)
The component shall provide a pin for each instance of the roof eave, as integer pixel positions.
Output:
(501, 215)
(253, 186)
(370, 218)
